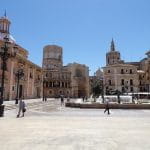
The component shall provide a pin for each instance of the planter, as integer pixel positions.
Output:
(2, 110)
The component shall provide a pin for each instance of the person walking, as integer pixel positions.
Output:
(68, 99)
(62, 100)
(107, 107)
(21, 108)
(83, 99)
(45, 98)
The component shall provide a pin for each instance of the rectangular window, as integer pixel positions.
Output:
(122, 72)
(122, 82)
(31, 75)
(109, 82)
(123, 89)
(108, 71)
(13, 88)
(50, 84)
(131, 89)
(62, 84)
(131, 82)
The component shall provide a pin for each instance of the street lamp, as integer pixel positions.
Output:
(19, 74)
(44, 85)
(5, 55)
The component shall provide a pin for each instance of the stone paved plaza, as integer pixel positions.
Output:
(48, 126)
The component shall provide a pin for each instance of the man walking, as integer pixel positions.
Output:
(62, 100)
(21, 108)
(107, 107)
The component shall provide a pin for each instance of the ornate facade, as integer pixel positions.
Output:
(30, 84)
(57, 78)
(71, 80)
(79, 80)
(126, 76)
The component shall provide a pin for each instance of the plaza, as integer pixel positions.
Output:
(47, 125)
(64, 64)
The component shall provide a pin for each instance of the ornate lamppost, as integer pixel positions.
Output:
(44, 85)
(5, 54)
(19, 74)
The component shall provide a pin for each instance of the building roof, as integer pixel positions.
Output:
(148, 52)
(10, 37)
(119, 65)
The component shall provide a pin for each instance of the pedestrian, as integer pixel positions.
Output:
(86, 98)
(62, 100)
(45, 98)
(22, 108)
(83, 99)
(107, 107)
(68, 99)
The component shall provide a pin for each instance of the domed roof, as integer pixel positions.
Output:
(10, 37)
(4, 29)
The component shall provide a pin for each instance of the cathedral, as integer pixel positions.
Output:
(22, 78)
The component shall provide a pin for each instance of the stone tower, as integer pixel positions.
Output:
(4, 24)
(4, 29)
(113, 56)
(52, 57)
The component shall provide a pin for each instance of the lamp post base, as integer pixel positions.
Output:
(2, 110)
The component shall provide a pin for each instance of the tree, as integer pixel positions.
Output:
(97, 88)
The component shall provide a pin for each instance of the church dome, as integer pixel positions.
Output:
(10, 37)
(4, 29)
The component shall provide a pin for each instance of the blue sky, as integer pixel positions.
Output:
(84, 28)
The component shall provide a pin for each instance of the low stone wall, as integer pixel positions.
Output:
(111, 106)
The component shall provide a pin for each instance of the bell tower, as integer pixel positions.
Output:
(4, 24)
(52, 57)
(113, 56)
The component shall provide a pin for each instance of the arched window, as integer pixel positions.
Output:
(50, 92)
(109, 82)
(122, 82)
(46, 84)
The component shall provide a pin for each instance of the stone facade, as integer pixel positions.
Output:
(122, 77)
(57, 78)
(30, 84)
(126, 76)
(144, 78)
(80, 86)
(70, 80)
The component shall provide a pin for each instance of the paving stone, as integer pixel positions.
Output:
(63, 128)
